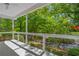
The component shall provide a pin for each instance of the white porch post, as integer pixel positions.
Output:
(18, 36)
(44, 43)
(12, 28)
(26, 29)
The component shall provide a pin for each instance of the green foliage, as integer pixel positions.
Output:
(75, 33)
(36, 44)
(73, 52)
(20, 24)
(5, 25)
(59, 41)
(56, 51)
(53, 18)
(59, 53)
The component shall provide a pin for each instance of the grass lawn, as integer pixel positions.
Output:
(75, 33)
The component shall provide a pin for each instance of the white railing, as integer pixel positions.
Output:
(44, 36)
(55, 35)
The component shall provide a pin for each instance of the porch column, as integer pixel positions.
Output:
(18, 36)
(12, 28)
(44, 42)
(26, 29)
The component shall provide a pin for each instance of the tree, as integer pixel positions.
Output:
(20, 24)
(49, 20)
(5, 25)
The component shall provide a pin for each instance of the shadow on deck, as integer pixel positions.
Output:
(5, 50)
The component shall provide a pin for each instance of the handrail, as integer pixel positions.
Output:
(56, 35)
(62, 36)
(12, 32)
(5, 32)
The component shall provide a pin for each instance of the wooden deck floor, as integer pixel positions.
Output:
(6, 51)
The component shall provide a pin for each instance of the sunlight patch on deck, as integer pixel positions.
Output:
(20, 51)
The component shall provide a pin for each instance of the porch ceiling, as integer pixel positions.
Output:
(14, 10)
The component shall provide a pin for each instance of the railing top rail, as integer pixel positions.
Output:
(65, 36)
(13, 32)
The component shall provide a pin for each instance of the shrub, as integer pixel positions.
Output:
(59, 41)
(56, 51)
(60, 53)
(73, 52)
(36, 44)
(68, 41)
